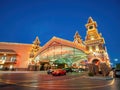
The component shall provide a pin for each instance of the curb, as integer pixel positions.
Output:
(99, 78)
(5, 72)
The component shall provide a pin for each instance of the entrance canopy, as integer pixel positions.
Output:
(61, 51)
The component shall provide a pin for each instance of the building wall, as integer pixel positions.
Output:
(22, 51)
(8, 61)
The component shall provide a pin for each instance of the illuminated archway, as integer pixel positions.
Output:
(96, 66)
(95, 62)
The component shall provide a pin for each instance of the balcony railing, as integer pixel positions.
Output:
(7, 61)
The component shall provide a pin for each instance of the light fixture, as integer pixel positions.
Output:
(116, 59)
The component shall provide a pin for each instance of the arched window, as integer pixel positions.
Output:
(13, 58)
(3, 58)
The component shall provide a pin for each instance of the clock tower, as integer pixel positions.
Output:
(98, 59)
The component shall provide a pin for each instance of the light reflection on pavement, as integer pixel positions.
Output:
(34, 81)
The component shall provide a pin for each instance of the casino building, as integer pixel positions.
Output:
(59, 53)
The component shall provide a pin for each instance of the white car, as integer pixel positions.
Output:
(117, 73)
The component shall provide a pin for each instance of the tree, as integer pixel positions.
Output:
(118, 66)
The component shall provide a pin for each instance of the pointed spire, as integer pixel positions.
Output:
(35, 48)
(77, 38)
(36, 41)
(77, 35)
(36, 45)
(90, 20)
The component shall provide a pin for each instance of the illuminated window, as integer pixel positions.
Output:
(3, 58)
(92, 38)
(11, 66)
(13, 59)
(97, 48)
(1, 66)
(90, 48)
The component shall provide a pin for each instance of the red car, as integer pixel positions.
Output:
(59, 72)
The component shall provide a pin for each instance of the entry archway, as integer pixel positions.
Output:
(96, 66)
(95, 62)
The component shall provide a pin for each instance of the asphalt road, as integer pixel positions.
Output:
(42, 81)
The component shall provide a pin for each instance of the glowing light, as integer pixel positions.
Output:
(5, 54)
(90, 49)
(94, 53)
(92, 38)
(3, 61)
(1, 66)
(97, 48)
(115, 59)
(11, 66)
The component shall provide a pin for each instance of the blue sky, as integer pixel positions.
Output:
(22, 20)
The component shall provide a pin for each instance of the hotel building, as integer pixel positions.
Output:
(60, 53)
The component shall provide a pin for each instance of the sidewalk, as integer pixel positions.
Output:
(38, 72)
(99, 77)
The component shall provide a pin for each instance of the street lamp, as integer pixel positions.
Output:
(116, 59)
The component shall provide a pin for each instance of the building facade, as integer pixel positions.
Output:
(14, 55)
(98, 59)
(57, 52)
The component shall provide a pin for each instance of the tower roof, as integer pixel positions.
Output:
(77, 35)
(36, 41)
(77, 38)
(90, 20)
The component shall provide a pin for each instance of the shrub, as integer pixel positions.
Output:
(118, 66)
(90, 74)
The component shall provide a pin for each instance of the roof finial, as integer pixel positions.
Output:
(36, 41)
(77, 38)
(90, 20)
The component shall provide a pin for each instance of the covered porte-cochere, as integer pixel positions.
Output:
(59, 53)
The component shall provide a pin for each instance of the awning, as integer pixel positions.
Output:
(7, 51)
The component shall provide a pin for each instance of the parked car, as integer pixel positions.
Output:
(68, 70)
(74, 69)
(117, 73)
(49, 71)
(80, 70)
(58, 72)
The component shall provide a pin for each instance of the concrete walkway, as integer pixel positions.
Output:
(38, 72)
(42, 72)
(99, 77)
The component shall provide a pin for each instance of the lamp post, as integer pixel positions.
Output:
(116, 59)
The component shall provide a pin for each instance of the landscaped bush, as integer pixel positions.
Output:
(90, 74)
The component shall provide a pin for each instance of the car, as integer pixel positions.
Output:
(68, 70)
(74, 69)
(49, 71)
(80, 70)
(59, 72)
(117, 73)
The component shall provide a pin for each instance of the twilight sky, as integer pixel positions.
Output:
(22, 20)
